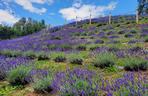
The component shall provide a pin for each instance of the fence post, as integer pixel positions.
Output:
(137, 17)
(90, 19)
(110, 18)
(76, 21)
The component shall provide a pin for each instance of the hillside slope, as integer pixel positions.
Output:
(123, 30)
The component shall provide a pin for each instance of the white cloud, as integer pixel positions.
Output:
(83, 11)
(7, 18)
(28, 5)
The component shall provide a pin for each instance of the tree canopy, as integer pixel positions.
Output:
(24, 26)
(143, 7)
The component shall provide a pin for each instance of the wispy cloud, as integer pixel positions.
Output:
(7, 18)
(83, 11)
(28, 5)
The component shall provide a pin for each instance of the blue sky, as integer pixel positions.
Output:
(58, 12)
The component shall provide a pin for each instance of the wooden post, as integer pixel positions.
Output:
(76, 21)
(90, 19)
(137, 17)
(110, 18)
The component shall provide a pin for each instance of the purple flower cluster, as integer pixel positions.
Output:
(130, 84)
(78, 82)
(81, 82)
(7, 64)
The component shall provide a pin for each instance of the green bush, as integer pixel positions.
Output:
(10, 53)
(135, 64)
(104, 60)
(52, 47)
(75, 59)
(30, 54)
(65, 47)
(42, 56)
(133, 31)
(18, 76)
(81, 47)
(146, 39)
(60, 59)
(43, 85)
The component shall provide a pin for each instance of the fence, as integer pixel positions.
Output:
(109, 18)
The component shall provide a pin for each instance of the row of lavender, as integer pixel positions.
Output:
(80, 82)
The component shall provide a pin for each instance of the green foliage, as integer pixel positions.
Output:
(146, 39)
(81, 47)
(18, 75)
(10, 53)
(6, 90)
(6, 32)
(42, 56)
(111, 69)
(75, 58)
(135, 64)
(53, 55)
(21, 28)
(143, 7)
(43, 85)
(65, 47)
(104, 60)
(30, 54)
(133, 31)
(52, 47)
(60, 59)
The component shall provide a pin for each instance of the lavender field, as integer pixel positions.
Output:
(78, 60)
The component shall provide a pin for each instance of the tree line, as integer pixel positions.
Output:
(24, 26)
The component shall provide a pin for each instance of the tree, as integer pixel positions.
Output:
(143, 6)
(24, 26)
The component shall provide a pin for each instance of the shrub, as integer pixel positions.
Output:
(43, 85)
(133, 31)
(75, 59)
(58, 56)
(81, 47)
(52, 47)
(56, 38)
(60, 59)
(128, 35)
(135, 64)
(121, 32)
(99, 42)
(18, 76)
(104, 60)
(146, 39)
(10, 53)
(65, 47)
(42, 56)
(30, 54)
(114, 48)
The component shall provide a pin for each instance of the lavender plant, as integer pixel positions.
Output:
(18, 76)
(104, 60)
(135, 64)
